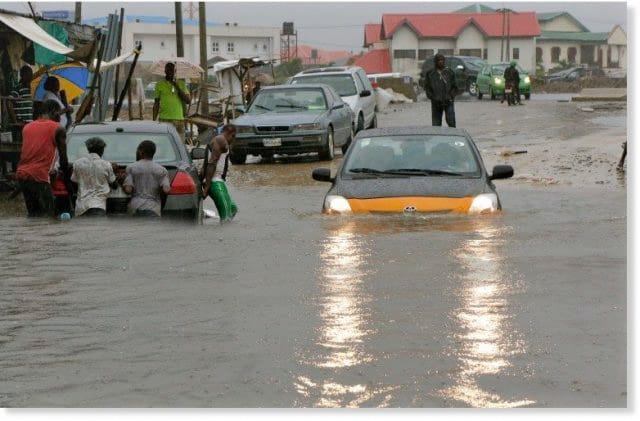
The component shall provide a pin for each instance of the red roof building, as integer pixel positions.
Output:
(371, 34)
(307, 55)
(375, 61)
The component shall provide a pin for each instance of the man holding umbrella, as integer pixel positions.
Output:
(170, 99)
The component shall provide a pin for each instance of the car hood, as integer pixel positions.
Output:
(431, 186)
(278, 119)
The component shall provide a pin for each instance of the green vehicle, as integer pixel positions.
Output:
(490, 81)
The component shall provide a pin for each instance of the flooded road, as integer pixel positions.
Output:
(286, 307)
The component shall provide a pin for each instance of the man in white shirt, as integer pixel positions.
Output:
(95, 178)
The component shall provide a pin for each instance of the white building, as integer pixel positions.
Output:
(228, 40)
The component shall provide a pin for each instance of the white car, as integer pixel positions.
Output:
(352, 84)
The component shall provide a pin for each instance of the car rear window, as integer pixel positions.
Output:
(343, 83)
(121, 147)
(418, 152)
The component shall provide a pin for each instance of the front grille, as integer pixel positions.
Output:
(272, 129)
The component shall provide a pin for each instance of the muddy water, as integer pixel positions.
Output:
(288, 308)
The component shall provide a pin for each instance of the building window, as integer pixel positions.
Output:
(571, 54)
(474, 52)
(404, 53)
(425, 54)
(255, 47)
(538, 55)
(161, 44)
(230, 47)
(215, 47)
(516, 54)
(445, 51)
(264, 47)
(485, 54)
(555, 54)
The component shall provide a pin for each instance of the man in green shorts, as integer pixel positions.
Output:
(171, 97)
(217, 168)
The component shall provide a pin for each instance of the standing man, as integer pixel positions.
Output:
(21, 107)
(95, 178)
(217, 169)
(40, 140)
(52, 92)
(440, 86)
(511, 80)
(146, 181)
(171, 97)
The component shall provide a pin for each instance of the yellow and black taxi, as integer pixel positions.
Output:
(412, 170)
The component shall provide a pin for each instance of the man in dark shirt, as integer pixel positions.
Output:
(441, 89)
(512, 81)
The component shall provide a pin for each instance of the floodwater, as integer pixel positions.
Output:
(285, 307)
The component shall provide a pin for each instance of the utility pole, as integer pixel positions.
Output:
(502, 40)
(179, 33)
(78, 12)
(204, 97)
(508, 34)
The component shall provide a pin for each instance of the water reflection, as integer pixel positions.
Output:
(486, 339)
(345, 321)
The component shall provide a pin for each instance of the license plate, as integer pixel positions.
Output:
(508, 91)
(275, 141)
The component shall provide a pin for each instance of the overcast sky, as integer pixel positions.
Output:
(336, 25)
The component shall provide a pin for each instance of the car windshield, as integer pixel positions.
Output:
(121, 147)
(288, 100)
(475, 64)
(412, 155)
(342, 83)
(498, 69)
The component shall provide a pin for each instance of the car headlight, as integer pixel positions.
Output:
(497, 81)
(527, 79)
(484, 203)
(337, 204)
(244, 129)
(308, 126)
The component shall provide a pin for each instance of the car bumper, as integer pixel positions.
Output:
(296, 143)
(499, 90)
(118, 203)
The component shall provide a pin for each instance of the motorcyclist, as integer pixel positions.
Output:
(512, 81)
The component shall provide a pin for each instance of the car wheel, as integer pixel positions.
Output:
(472, 88)
(237, 158)
(346, 145)
(327, 153)
(360, 123)
(493, 96)
(527, 96)
(374, 122)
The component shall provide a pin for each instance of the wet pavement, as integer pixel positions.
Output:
(286, 307)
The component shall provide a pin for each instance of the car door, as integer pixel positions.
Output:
(368, 102)
(459, 71)
(340, 117)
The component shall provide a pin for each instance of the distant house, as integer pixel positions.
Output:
(564, 38)
(314, 56)
(411, 38)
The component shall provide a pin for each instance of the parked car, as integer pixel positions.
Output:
(573, 73)
(352, 84)
(466, 69)
(491, 81)
(122, 139)
(292, 119)
(412, 169)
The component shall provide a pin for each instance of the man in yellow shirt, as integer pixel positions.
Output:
(171, 96)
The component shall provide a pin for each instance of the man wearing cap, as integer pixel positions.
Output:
(170, 99)
(512, 80)
(95, 178)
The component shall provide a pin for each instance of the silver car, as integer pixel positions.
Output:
(352, 84)
(292, 119)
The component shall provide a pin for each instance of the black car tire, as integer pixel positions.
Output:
(237, 158)
(360, 123)
(374, 122)
(327, 153)
(472, 88)
(346, 145)
(527, 96)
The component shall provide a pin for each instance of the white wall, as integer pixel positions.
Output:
(471, 37)
(404, 39)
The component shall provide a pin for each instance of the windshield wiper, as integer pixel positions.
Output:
(420, 171)
(291, 106)
(373, 171)
(262, 107)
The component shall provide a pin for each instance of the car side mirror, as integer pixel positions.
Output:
(198, 153)
(366, 92)
(322, 174)
(501, 171)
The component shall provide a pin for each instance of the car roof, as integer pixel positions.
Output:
(136, 126)
(296, 86)
(412, 130)
(341, 69)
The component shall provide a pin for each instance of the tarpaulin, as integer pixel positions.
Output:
(45, 56)
(30, 30)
